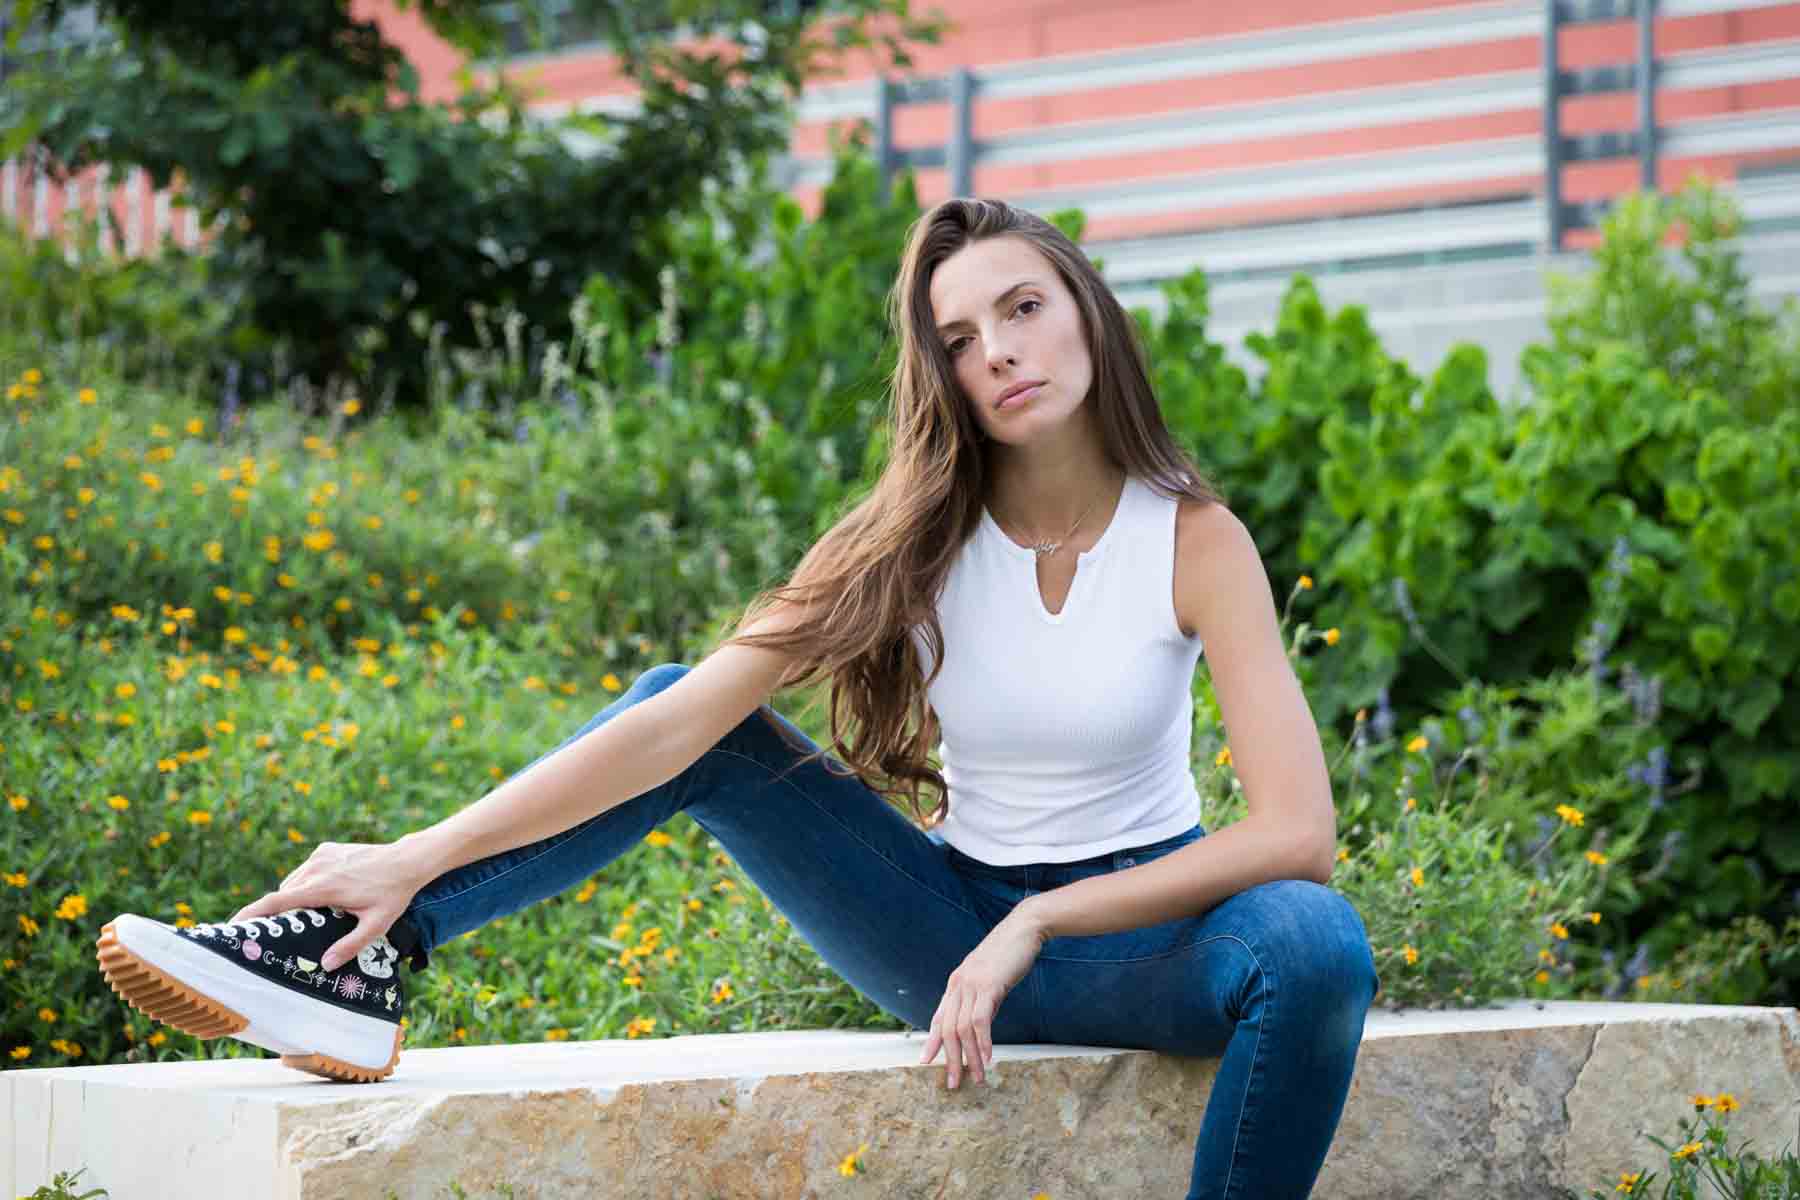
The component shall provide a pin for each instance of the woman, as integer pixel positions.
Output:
(1031, 581)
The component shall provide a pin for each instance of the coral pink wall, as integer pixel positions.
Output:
(992, 32)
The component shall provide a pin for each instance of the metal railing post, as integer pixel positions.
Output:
(884, 130)
(962, 123)
(1552, 130)
(1646, 92)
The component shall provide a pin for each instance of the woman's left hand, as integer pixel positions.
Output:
(963, 1024)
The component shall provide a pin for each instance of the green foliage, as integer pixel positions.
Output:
(276, 116)
(147, 316)
(193, 706)
(1650, 493)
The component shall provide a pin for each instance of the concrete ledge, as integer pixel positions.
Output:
(1500, 1102)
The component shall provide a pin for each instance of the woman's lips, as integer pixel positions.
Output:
(1018, 398)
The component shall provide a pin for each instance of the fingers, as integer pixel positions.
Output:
(351, 944)
(271, 902)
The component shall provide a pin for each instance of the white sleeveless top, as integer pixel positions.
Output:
(1066, 735)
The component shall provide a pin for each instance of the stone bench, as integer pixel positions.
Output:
(1500, 1102)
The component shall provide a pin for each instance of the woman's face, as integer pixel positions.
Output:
(1005, 318)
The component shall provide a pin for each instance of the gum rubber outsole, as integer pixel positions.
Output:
(163, 998)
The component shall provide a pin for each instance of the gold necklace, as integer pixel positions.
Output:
(1043, 546)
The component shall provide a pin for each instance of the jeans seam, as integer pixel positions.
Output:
(1269, 994)
(803, 794)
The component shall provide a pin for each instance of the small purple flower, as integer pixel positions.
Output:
(1403, 601)
(1383, 723)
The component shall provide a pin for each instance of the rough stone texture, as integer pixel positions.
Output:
(1513, 1101)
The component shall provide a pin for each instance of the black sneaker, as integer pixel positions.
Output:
(259, 981)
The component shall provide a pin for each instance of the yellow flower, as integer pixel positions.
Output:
(1417, 744)
(1543, 977)
(1594, 918)
(556, 1035)
(1597, 858)
(157, 1038)
(722, 993)
(118, 802)
(46, 1014)
(657, 837)
(1418, 877)
(640, 1025)
(1305, 582)
(1571, 815)
(610, 682)
(199, 817)
(632, 980)
(17, 880)
(1223, 757)
(527, 1002)
(73, 905)
(1412, 956)
(87, 396)
(1558, 930)
(853, 1161)
(1726, 1102)
(160, 838)
(1687, 1151)
(1331, 636)
(28, 926)
(693, 905)
(21, 1051)
(19, 803)
(1628, 1181)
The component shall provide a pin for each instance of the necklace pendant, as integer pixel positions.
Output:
(1046, 547)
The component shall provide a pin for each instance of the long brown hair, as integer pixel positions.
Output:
(877, 572)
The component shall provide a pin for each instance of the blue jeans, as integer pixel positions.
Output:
(1274, 981)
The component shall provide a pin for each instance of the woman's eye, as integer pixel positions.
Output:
(955, 347)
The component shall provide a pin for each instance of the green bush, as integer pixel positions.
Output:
(181, 743)
(1655, 479)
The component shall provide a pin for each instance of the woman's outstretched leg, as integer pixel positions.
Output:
(858, 881)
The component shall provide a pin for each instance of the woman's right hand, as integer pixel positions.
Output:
(373, 881)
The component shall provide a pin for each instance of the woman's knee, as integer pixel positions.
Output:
(1326, 941)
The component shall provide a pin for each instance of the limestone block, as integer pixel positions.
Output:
(1504, 1102)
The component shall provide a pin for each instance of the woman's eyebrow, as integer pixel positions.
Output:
(998, 301)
